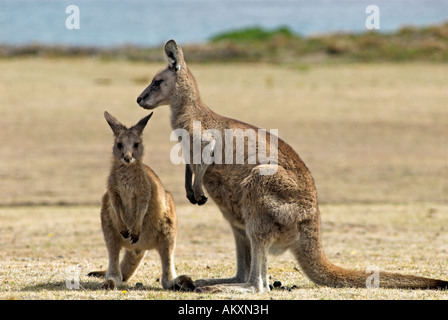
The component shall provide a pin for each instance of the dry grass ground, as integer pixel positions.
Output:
(368, 133)
(43, 247)
(374, 136)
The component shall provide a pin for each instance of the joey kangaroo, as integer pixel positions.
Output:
(137, 213)
(267, 213)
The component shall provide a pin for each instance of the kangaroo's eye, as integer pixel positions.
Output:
(157, 82)
(136, 145)
(119, 145)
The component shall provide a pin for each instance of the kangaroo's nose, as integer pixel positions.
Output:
(127, 158)
(139, 99)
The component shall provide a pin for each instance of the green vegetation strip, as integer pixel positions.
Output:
(255, 44)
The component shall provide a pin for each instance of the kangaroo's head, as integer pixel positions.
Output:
(168, 82)
(128, 147)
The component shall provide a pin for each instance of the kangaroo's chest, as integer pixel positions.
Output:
(133, 188)
(225, 190)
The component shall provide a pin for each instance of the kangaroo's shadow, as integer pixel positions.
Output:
(85, 285)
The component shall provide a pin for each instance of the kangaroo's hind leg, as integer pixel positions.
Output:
(257, 278)
(113, 241)
(113, 274)
(243, 261)
(131, 261)
(166, 252)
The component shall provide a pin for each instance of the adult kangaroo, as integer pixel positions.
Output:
(267, 212)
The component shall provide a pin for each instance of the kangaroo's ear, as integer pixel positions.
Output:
(116, 126)
(142, 124)
(175, 56)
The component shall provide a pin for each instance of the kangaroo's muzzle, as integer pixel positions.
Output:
(128, 158)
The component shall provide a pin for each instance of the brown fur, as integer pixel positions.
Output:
(137, 213)
(267, 213)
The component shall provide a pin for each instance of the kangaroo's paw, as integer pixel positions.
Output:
(229, 288)
(208, 289)
(183, 283)
(109, 284)
(134, 238)
(98, 274)
(126, 234)
(202, 200)
(215, 281)
(190, 197)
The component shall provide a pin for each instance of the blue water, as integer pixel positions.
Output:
(142, 22)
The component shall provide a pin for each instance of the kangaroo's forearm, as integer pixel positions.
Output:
(198, 193)
(188, 184)
(136, 227)
(117, 208)
(140, 212)
(188, 178)
(198, 175)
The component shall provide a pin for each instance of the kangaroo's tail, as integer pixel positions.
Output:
(309, 254)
